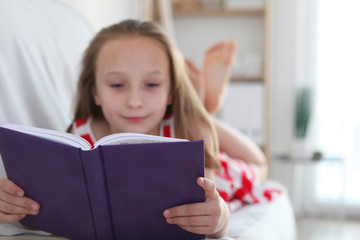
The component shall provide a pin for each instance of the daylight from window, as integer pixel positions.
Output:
(338, 102)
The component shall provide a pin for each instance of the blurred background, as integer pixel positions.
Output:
(294, 90)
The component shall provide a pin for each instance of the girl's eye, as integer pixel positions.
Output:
(116, 85)
(152, 84)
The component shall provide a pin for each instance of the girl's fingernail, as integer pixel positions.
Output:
(202, 180)
(20, 193)
(34, 206)
(166, 213)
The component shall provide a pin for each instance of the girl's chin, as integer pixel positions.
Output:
(132, 131)
(136, 129)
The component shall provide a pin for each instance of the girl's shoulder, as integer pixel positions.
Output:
(82, 128)
(81, 125)
(167, 128)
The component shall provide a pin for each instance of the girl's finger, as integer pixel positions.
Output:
(9, 218)
(10, 187)
(13, 194)
(209, 187)
(186, 210)
(10, 208)
(191, 221)
(23, 202)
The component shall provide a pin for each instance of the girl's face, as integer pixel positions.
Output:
(133, 84)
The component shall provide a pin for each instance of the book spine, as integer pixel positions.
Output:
(97, 190)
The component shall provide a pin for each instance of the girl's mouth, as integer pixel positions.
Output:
(134, 119)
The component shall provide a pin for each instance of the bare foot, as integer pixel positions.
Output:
(217, 66)
(197, 80)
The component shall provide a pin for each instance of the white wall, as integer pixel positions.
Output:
(105, 12)
(289, 69)
(196, 34)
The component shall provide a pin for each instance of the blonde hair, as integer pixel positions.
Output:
(190, 116)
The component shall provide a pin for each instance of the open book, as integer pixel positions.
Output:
(114, 191)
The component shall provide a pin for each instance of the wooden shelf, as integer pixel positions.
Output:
(262, 16)
(218, 12)
(247, 79)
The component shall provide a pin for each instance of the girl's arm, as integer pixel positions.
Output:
(239, 146)
(13, 204)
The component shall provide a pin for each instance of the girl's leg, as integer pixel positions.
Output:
(216, 73)
(196, 78)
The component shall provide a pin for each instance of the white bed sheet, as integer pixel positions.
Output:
(271, 221)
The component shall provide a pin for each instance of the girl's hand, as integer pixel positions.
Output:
(13, 204)
(210, 217)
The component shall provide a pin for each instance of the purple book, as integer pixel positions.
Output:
(110, 192)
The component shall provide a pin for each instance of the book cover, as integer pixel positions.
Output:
(109, 192)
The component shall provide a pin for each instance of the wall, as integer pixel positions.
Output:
(291, 20)
(195, 34)
(103, 13)
(283, 75)
(291, 49)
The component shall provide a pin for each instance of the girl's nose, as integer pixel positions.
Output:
(134, 100)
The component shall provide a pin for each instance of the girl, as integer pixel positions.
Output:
(134, 80)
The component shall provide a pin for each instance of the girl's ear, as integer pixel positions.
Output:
(95, 96)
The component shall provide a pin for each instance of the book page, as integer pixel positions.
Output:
(134, 138)
(57, 136)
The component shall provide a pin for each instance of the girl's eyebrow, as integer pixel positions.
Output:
(123, 74)
(156, 72)
(115, 73)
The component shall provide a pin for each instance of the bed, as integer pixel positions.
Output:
(38, 68)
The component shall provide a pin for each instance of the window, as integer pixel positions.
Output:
(337, 110)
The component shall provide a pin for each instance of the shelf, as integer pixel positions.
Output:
(247, 79)
(189, 11)
(218, 12)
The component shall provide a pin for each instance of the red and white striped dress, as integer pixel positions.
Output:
(237, 181)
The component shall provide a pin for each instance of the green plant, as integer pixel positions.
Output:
(302, 111)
